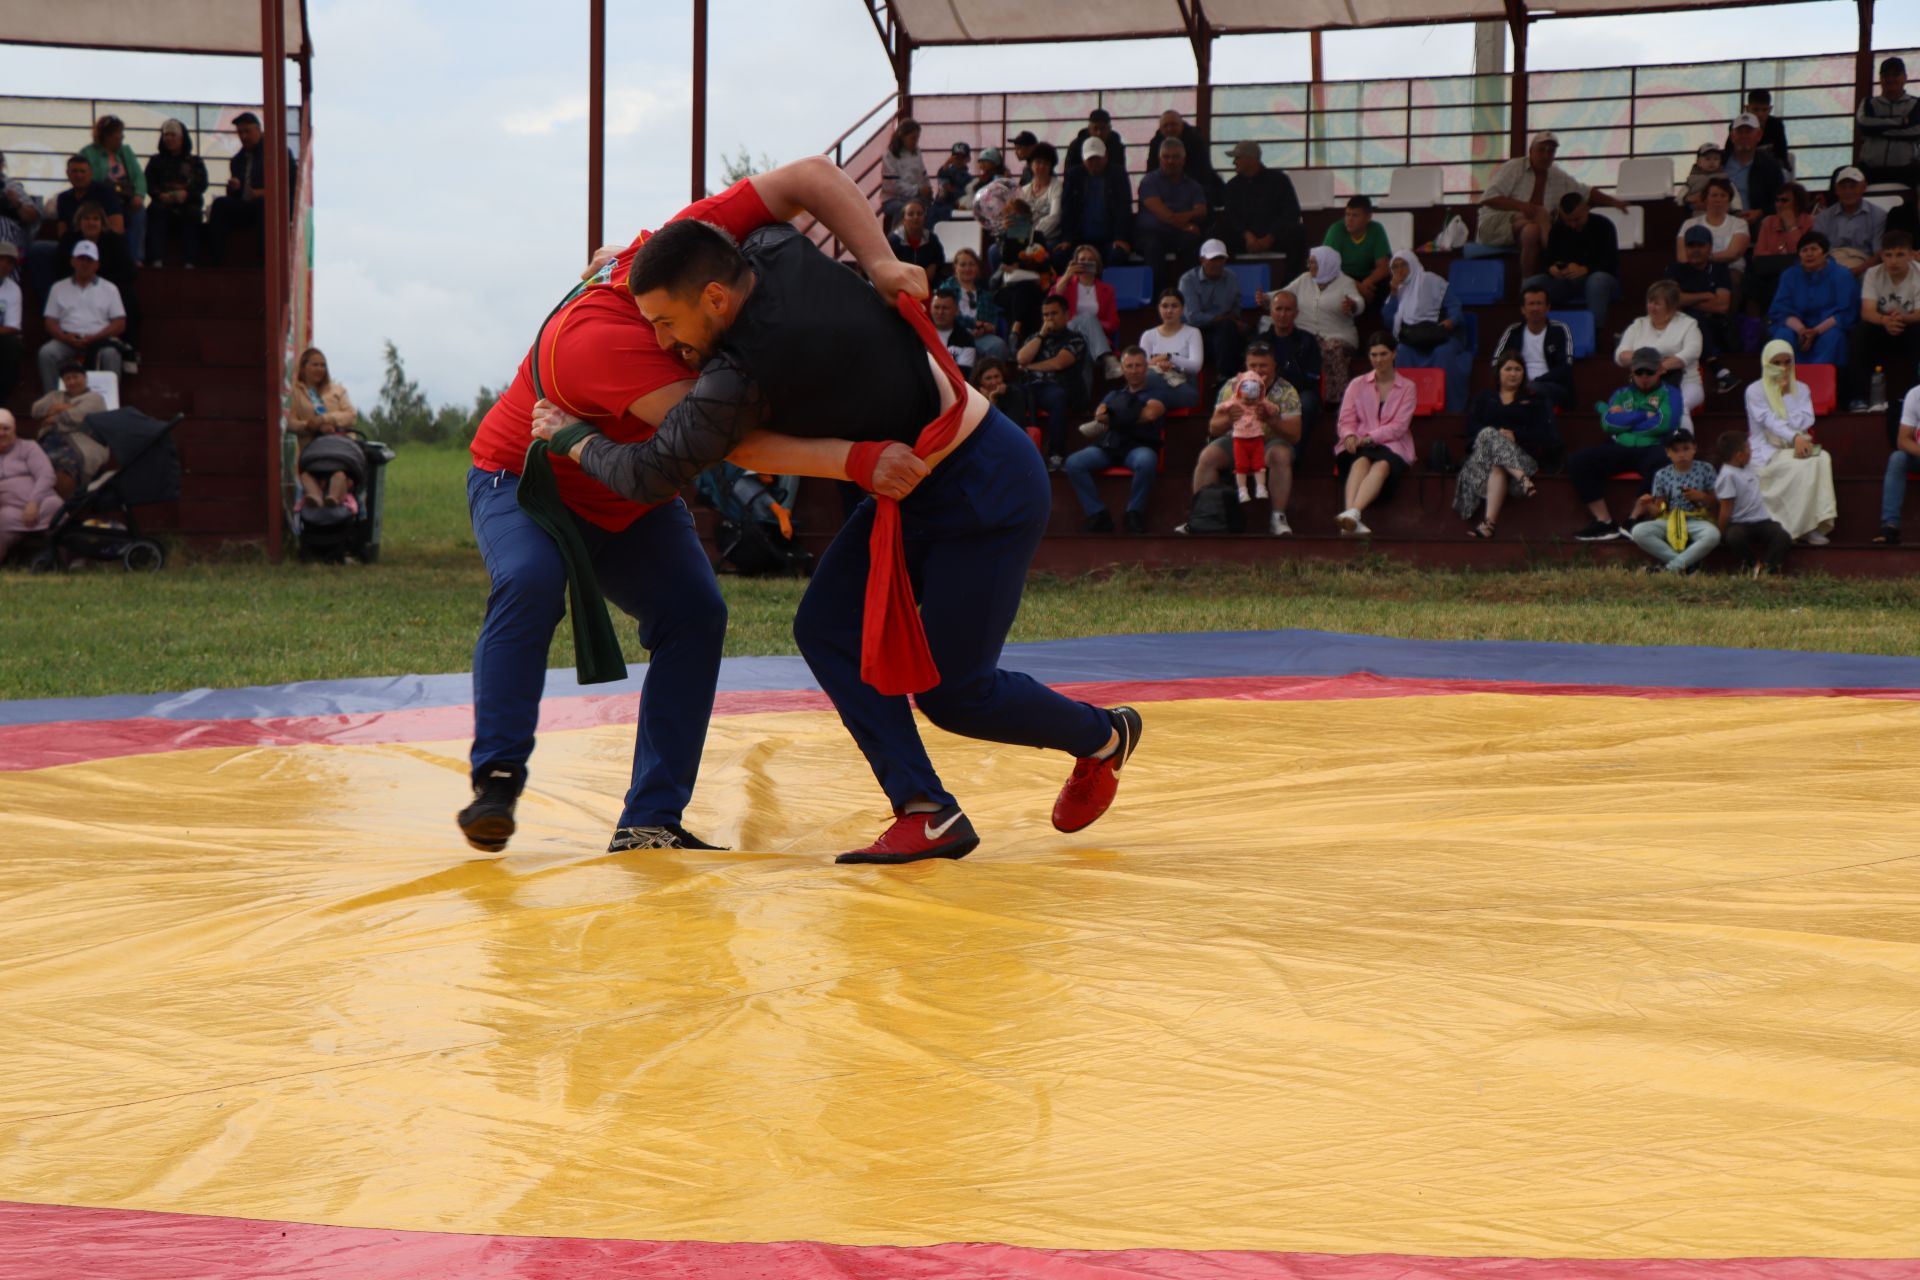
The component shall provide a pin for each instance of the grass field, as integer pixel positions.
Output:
(236, 620)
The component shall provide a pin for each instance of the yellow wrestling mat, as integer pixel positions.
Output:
(1461, 974)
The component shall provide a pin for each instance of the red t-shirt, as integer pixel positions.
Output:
(597, 356)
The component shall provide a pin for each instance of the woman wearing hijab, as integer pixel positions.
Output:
(1429, 324)
(1328, 302)
(1796, 475)
(177, 184)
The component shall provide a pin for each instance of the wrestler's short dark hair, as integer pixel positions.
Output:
(684, 257)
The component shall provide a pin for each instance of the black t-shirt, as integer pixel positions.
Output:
(1707, 279)
(814, 352)
(99, 193)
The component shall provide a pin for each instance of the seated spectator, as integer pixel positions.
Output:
(113, 162)
(1512, 433)
(1092, 311)
(1583, 260)
(1728, 232)
(1851, 225)
(1756, 176)
(116, 263)
(1096, 206)
(1023, 144)
(1773, 129)
(1677, 524)
(1043, 193)
(1815, 305)
(1796, 475)
(85, 317)
(28, 502)
(1173, 214)
(1375, 437)
(1296, 355)
(76, 454)
(945, 314)
(979, 314)
(1888, 336)
(177, 186)
(13, 318)
(1706, 295)
(1678, 340)
(914, 241)
(1429, 326)
(1129, 423)
(903, 174)
(1056, 361)
(1099, 129)
(950, 183)
(1888, 124)
(1754, 538)
(1278, 413)
(1328, 301)
(1199, 157)
(1709, 162)
(44, 261)
(19, 212)
(1776, 244)
(245, 203)
(1212, 295)
(1545, 347)
(1174, 351)
(1362, 245)
(1002, 392)
(320, 416)
(1904, 461)
(1516, 208)
(1638, 420)
(1262, 210)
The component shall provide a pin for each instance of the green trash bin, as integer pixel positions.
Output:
(373, 501)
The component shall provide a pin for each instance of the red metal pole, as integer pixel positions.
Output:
(596, 119)
(699, 99)
(1863, 59)
(273, 75)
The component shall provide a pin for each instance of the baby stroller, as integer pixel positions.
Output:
(749, 537)
(98, 522)
(333, 534)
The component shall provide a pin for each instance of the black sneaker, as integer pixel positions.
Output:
(488, 821)
(1136, 522)
(1100, 522)
(670, 836)
(1600, 531)
(1723, 379)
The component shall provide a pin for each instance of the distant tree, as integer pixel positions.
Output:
(402, 412)
(743, 165)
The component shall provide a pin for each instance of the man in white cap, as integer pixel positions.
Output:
(1212, 297)
(83, 317)
(1516, 210)
(12, 319)
(1096, 204)
(1756, 176)
(1853, 225)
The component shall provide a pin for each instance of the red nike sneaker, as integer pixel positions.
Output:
(1090, 790)
(914, 836)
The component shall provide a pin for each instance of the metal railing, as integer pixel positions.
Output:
(38, 134)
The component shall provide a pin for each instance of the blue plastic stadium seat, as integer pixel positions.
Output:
(1254, 277)
(1132, 286)
(1478, 282)
(1580, 323)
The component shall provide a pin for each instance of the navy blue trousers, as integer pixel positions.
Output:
(970, 532)
(656, 570)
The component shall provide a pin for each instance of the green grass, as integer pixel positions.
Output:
(233, 619)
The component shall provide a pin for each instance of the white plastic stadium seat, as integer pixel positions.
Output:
(1631, 224)
(1399, 229)
(958, 232)
(107, 383)
(1645, 178)
(1886, 203)
(1416, 188)
(1314, 187)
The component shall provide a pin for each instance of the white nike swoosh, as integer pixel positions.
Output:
(934, 833)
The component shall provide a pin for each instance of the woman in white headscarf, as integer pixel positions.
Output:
(1328, 302)
(1430, 326)
(1796, 475)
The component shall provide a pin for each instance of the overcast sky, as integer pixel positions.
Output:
(451, 151)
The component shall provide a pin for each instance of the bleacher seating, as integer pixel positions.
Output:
(1431, 384)
(1580, 325)
(1478, 282)
(1398, 224)
(1314, 188)
(957, 233)
(1420, 187)
(1629, 224)
(1822, 383)
(1254, 277)
(1132, 286)
(1645, 178)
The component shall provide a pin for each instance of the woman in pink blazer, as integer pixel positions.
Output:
(1373, 446)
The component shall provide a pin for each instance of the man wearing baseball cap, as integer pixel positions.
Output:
(12, 319)
(1263, 211)
(1096, 204)
(246, 198)
(1212, 297)
(1023, 144)
(1515, 210)
(1773, 130)
(1853, 225)
(1099, 125)
(1756, 176)
(84, 316)
(1889, 127)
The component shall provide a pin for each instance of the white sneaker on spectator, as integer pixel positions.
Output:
(1348, 520)
(1110, 366)
(1816, 539)
(1092, 430)
(1277, 525)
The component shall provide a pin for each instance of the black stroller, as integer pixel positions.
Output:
(98, 522)
(334, 534)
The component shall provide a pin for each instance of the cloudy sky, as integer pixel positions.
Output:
(451, 138)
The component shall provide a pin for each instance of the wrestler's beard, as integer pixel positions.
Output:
(690, 355)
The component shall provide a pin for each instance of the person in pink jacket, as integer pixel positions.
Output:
(1092, 311)
(1373, 446)
(27, 499)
